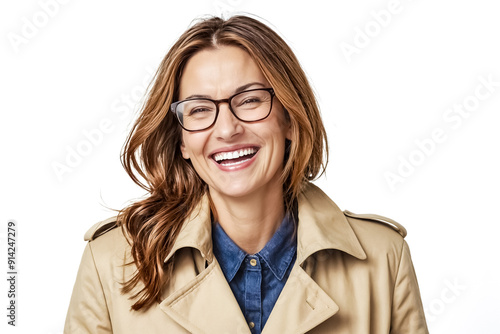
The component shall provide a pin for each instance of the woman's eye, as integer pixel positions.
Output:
(252, 100)
(200, 110)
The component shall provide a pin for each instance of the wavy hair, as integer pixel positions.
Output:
(152, 149)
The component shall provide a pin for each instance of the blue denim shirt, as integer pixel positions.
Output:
(257, 280)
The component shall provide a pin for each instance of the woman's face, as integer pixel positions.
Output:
(218, 74)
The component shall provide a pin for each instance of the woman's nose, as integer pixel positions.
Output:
(227, 125)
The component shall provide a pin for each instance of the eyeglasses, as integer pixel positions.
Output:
(199, 114)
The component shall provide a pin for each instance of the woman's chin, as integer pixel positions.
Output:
(231, 191)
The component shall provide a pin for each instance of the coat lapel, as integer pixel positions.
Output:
(206, 305)
(301, 306)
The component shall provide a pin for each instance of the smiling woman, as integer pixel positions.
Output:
(254, 177)
(233, 237)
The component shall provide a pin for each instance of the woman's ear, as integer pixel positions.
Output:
(184, 151)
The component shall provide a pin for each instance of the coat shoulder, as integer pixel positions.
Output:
(377, 219)
(107, 237)
(101, 228)
(109, 245)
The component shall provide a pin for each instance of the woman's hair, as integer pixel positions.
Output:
(152, 150)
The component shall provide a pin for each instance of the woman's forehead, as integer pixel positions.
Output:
(218, 72)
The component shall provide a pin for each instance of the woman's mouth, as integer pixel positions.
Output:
(235, 157)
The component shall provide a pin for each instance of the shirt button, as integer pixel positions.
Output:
(253, 263)
(251, 324)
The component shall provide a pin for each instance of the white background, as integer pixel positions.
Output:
(80, 65)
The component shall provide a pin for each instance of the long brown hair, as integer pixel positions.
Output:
(152, 150)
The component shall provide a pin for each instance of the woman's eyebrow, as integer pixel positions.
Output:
(198, 96)
(237, 90)
(248, 85)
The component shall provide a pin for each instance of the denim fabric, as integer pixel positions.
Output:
(257, 280)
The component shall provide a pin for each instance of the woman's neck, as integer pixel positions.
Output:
(250, 221)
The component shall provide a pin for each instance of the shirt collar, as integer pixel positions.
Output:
(278, 253)
(228, 254)
(280, 250)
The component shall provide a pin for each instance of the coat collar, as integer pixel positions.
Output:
(324, 226)
(206, 304)
(196, 232)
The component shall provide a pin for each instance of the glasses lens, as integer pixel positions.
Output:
(196, 114)
(252, 105)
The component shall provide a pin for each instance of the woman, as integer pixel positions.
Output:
(233, 238)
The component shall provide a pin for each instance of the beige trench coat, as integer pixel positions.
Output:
(353, 275)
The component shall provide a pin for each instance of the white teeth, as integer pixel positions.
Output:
(234, 155)
(225, 163)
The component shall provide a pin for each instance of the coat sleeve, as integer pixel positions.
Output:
(88, 312)
(407, 310)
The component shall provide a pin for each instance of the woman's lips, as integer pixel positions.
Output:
(235, 159)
